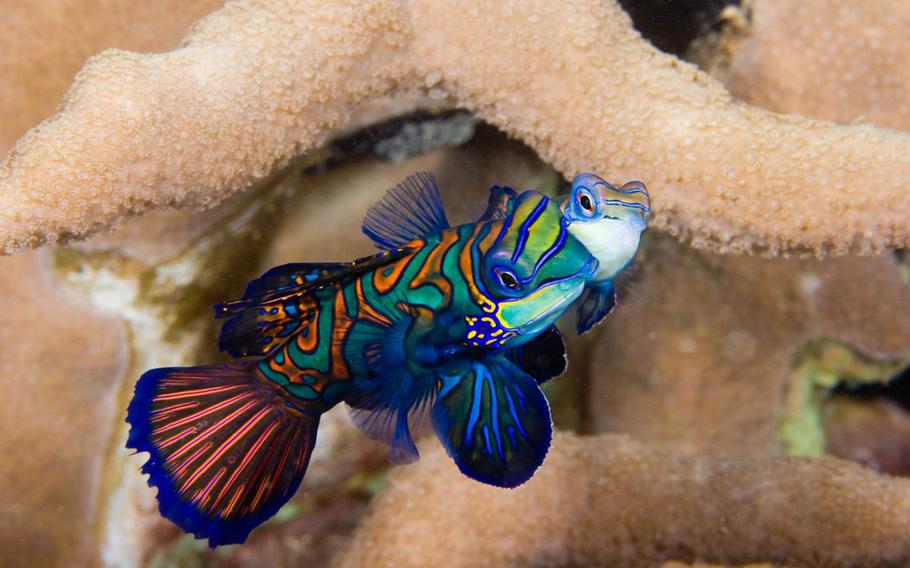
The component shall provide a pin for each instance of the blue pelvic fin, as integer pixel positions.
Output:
(494, 421)
(595, 304)
(408, 211)
(226, 448)
(500, 205)
(544, 357)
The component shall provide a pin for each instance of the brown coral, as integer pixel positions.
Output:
(810, 57)
(259, 83)
(44, 42)
(610, 501)
(704, 345)
(53, 451)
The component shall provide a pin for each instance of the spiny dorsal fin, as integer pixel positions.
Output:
(408, 211)
(259, 297)
(288, 276)
(277, 303)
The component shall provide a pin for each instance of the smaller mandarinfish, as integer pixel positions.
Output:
(451, 323)
(609, 221)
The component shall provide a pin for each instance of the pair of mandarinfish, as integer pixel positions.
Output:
(609, 221)
(451, 323)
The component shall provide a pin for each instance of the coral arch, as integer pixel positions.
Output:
(257, 84)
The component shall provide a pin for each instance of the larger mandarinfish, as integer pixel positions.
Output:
(452, 322)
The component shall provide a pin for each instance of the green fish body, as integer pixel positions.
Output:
(454, 324)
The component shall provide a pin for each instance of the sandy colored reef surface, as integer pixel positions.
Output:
(737, 408)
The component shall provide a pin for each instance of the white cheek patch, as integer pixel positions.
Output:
(613, 243)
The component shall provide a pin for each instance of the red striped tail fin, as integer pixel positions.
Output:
(227, 449)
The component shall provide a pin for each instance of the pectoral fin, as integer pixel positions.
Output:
(392, 404)
(494, 422)
(594, 305)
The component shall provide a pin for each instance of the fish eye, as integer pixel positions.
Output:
(507, 279)
(585, 201)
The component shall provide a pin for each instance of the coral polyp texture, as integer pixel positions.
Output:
(597, 497)
(807, 57)
(257, 84)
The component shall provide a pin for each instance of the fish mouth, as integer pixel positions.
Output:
(632, 197)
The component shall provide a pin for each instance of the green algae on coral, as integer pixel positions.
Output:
(820, 367)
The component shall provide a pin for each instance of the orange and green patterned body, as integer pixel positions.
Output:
(438, 323)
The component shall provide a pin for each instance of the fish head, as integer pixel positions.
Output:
(609, 220)
(531, 270)
(594, 200)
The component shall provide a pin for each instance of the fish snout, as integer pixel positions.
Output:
(635, 195)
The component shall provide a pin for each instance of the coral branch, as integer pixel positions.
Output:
(609, 501)
(259, 83)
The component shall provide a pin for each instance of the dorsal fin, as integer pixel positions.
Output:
(278, 302)
(287, 276)
(347, 270)
(408, 211)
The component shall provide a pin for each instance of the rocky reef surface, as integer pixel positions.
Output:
(733, 409)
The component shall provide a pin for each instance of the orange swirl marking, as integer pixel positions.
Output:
(365, 310)
(385, 278)
(466, 267)
(308, 337)
(431, 270)
(340, 326)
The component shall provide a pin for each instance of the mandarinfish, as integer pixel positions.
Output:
(609, 221)
(453, 322)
